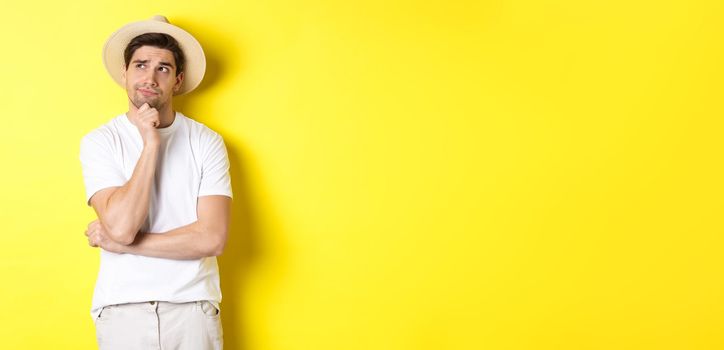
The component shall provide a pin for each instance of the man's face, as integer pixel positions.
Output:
(151, 77)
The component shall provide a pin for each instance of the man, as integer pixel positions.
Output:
(159, 183)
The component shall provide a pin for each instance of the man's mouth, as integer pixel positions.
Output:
(146, 92)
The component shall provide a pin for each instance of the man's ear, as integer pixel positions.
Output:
(123, 76)
(179, 82)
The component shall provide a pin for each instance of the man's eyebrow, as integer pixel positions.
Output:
(159, 63)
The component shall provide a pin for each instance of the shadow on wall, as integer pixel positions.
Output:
(240, 253)
(242, 248)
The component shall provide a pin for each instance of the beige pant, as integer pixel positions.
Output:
(160, 325)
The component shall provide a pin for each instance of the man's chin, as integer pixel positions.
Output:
(139, 101)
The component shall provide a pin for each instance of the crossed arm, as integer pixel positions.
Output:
(122, 211)
(202, 238)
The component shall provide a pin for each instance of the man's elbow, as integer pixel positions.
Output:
(122, 236)
(218, 243)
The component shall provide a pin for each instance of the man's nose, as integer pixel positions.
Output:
(149, 77)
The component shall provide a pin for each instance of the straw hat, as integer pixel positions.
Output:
(195, 65)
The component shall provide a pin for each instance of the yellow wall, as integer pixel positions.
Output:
(414, 175)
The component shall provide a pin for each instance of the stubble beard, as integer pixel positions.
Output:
(138, 101)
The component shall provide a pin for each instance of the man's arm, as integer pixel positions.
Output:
(202, 238)
(123, 210)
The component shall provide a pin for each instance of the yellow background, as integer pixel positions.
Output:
(408, 174)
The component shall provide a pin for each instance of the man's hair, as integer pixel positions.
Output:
(158, 40)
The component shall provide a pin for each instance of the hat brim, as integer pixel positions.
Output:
(195, 60)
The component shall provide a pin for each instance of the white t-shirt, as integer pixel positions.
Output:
(192, 162)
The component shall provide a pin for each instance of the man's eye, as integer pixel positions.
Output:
(140, 65)
(163, 69)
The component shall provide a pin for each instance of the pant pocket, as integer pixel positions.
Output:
(211, 317)
(104, 315)
(209, 309)
(102, 325)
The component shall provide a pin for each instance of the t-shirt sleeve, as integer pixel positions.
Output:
(99, 167)
(215, 179)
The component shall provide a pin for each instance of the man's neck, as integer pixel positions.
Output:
(167, 115)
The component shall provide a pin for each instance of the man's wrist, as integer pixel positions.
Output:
(152, 144)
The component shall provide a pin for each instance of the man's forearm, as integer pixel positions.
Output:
(127, 207)
(188, 242)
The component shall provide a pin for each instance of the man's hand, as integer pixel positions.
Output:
(147, 120)
(98, 237)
